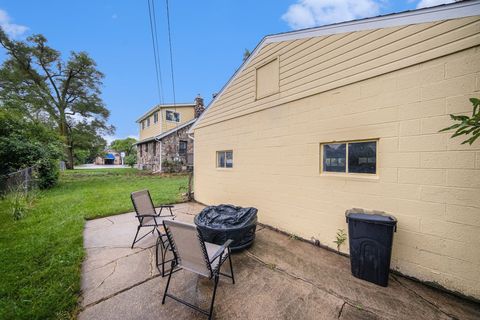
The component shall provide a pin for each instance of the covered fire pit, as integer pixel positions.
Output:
(217, 224)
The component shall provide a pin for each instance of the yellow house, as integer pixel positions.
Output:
(163, 135)
(321, 120)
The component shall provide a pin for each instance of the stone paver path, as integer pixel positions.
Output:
(277, 278)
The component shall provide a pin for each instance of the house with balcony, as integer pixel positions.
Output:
(164, 144)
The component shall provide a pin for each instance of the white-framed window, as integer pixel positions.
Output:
(148, 122)
(349, 157)
(143, 124)
(225, 159)
(155, 117)
(172, 116)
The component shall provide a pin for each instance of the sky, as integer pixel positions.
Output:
(208, 39)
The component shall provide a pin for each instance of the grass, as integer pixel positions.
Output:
(41, 254)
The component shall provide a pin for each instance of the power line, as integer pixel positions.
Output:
(156, 52)
(171, 55)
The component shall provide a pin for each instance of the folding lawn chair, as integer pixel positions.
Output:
(148, 217)
(192, 253)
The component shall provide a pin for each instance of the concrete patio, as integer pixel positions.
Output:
(277, 278)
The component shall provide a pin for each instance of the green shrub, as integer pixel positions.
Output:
(130, 160)
(48, 173)
(171, 166)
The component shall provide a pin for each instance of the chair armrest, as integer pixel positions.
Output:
(146, 215)
(167, 216)
(221, 250)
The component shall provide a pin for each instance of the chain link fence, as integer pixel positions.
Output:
(24, 180)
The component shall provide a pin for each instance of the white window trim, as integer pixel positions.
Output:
(216, 159)
(346, 173)
(179, 116)
(155, 120)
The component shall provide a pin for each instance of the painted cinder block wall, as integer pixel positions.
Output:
(430, 182)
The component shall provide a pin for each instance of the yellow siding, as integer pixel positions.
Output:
(320, 64)
(186, 114)
(430, 182)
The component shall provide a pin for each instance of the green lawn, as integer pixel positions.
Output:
(41, 254)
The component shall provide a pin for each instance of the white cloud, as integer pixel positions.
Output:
(12, 29)
(431, 3)
(311, 13)
(110, 138)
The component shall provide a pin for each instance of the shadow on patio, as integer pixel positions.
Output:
(277, 278)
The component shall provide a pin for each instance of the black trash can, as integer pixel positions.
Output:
(370, 239)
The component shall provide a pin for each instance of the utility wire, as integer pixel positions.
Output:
(171, 55)
(156, 52)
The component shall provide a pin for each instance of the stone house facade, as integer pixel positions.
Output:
(168, 147)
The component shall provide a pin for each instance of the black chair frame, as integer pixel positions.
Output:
(162, 244)
(214, 272)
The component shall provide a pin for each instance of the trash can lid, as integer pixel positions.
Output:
(377, 217)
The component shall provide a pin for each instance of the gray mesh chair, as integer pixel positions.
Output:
(149, 218)
(192, 253)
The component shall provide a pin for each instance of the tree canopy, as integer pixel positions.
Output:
(124, 145)
(66, 93)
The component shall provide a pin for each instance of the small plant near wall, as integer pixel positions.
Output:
(469, 126)
(340, 238)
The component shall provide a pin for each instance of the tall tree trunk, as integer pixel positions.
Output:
(62, 127)
(70, 161)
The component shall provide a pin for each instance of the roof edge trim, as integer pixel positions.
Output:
(442, 12)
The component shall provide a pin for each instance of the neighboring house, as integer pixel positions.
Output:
(110, 157)
(321, 120)
(163, 135)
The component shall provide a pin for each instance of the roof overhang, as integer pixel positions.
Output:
(167, 133)
(163, 106)
(437, 13)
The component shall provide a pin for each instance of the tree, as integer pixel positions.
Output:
(65, 92)
(25, 143)
(124, 145)
(469, 126)
(87, 143)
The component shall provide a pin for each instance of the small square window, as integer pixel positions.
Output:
(225, 159)
(172, 116)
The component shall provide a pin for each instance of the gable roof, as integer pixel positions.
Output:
(426, 15)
